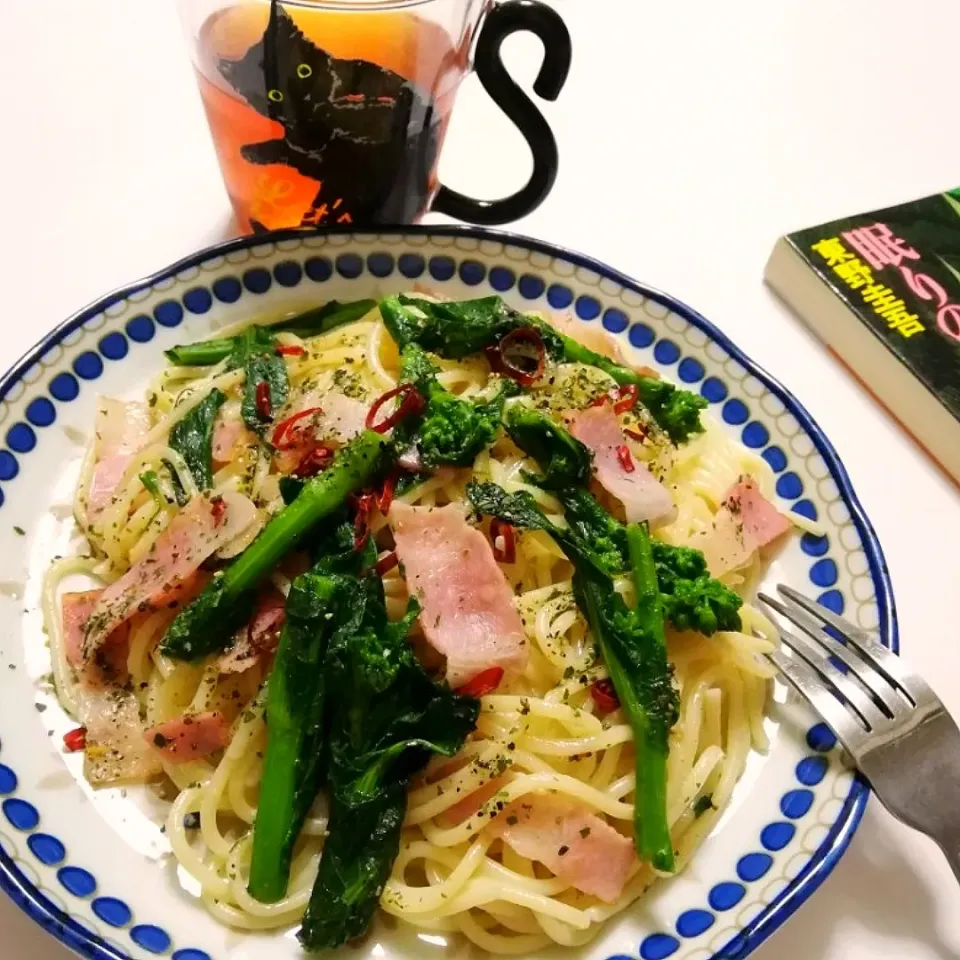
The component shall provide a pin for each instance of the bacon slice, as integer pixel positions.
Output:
(229, 433)
(259, 637)
(642, 495)
(194, 534)
(191, 736)
(571, 841)
(115, 749)
(111, 662)
(120, 428)
(745, 522)
(464, 809)
(468, 612)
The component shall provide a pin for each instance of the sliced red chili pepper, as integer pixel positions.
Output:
(508, 553)
(626, 460)
(290, 351)
(486, 681)
(76, 739)
(361, 523)
(600, 401)
(385, 497)
(503, 356)
(263, 400)
(386, 563)
(638, 435)
(218, 508)
(605, 696)
(624, 398)
(409, 403)
(280, 439)
(313, 462)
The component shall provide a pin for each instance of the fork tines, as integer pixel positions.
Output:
(834, 660)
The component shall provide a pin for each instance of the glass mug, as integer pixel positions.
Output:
(334, 111)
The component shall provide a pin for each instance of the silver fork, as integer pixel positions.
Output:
(891, 723)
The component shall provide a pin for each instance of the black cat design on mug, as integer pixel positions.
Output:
(366, 134)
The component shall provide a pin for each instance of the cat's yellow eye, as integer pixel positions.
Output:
(304, 70)
(275, 95)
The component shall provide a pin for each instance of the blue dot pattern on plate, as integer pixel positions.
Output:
(288, 273)
(8, 780)
(21, 438)
(587, 307)
(713, 389)
(666, 352)
(150, 938)
(411, 265)
(690, 370)
(46, 849)
(114, 346)
(442, 268)
(9, 467)
(735, 411)
(380, 264)
(530, 286)
(814, 546)
(789, 486)
(318, 269)
(824, 573)
(558, 296)
(349, 265)
(64, 387)
(614, 320)
(112, 911)
(257, 280)
(811, 770)
(190, 954)
(168, 314)
(755, 435)
(472, 272)
(725, 896)
(227, 289)
(776, 458)
(691, 923)
(775, 836)
(658, 946)
(753, 866)
(141, 329)
(821, 738)
(796, 803)
(502, 278)
(78, 881)
(641, 335)
(88, 365)
(198, 299)
(805, 508)
(832, 600)
(41, 412)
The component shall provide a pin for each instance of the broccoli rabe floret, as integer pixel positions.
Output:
(692, 599)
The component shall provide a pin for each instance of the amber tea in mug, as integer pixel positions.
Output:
(333, 112)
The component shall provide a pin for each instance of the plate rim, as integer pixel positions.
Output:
(76, 937)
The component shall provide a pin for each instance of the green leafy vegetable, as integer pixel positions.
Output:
(205, 626)
(564, 460)
(460, 328)
(451, 430)
(385, 721)
(192, 437)
(293, 765)
(179, 494)
(632, 645)
(692, 599)
(702, 805)
(151, 483)
(456, 329)
(309, 324)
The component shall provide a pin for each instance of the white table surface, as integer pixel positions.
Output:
(691, 134)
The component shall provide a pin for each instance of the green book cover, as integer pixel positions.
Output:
(898, 270)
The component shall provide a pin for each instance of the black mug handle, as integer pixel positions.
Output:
(503, 20)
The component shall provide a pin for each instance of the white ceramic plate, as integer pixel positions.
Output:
(94, 867)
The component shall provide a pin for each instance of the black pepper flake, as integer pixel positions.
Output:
(563, 851)
(191, 821)
(512, 820)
